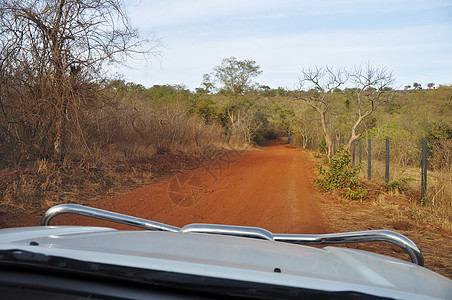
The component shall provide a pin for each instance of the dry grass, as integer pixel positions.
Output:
(437, 204)
(405, 171)
(391, 212)
(397, 211)
(45, 184)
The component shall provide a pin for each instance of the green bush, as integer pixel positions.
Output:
(400, 185)
(356, 194)
(341, 175)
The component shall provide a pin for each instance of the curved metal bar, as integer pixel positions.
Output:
(104, 215)
(356, 237)
(242, 231)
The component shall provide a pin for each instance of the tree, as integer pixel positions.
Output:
(252, 119)
(207, 85)
(417, 86)
(234, 77)
(305, 126)
(320, 83)
(51, 52)
(430, 85)
(372, 87)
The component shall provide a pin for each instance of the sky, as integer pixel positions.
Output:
(411, 38)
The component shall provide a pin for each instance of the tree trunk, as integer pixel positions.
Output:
(355, 136)
(326, 134)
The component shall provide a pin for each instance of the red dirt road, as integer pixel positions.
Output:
(272, 189)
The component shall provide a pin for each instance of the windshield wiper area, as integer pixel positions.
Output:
(29, 272)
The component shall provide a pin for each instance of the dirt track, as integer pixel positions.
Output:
(269, 188)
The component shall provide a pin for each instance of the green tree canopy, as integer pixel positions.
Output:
(233, 76)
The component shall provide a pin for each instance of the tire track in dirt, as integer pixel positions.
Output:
(271, 189)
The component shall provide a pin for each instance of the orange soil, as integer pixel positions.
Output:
(271, 189)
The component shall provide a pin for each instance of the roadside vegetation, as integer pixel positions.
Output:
(69, 132)
(342, 175)
(412, 115)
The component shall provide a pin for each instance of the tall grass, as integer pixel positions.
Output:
(405, 172)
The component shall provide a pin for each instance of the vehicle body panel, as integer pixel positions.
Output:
(229, 257)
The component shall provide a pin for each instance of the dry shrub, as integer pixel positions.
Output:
(440, 154)
(237, 142)
(111, 147)
(138, 129)
(46, 184)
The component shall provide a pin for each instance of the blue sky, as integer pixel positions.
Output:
(413, 38)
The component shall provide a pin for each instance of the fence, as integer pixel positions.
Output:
(423, 165)
(419, 162)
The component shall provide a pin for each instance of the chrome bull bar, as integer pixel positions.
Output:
(243, 231)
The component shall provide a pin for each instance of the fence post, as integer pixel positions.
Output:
(353, 156)
(387, 161)
(424, 168)
(360, 151)
(369, 160)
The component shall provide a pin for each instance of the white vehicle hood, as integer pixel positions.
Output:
(332, 269)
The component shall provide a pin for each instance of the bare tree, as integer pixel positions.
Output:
(51, 52)
(251, 121)
(372, 87)
(306, 126)
(320, 83)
